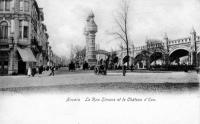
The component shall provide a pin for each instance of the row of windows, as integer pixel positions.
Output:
(5, 5)
(24, 30)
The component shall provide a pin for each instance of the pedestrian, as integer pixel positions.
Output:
(29, 71)
(197, 70)
(33, 71)
(40, 69)
(52, 71)
(131, 67)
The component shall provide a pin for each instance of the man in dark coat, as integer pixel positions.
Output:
(52, 70)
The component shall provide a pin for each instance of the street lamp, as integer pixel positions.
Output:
(12, 52)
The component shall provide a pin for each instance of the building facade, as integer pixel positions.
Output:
(23, 36)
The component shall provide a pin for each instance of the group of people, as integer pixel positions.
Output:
(72, 66)
(39, 70)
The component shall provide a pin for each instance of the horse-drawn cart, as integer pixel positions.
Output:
(100, 69)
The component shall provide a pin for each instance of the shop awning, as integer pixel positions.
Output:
(26, 55)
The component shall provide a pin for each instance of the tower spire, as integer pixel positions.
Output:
(193, 31)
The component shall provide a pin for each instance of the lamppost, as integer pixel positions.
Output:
(12, 42)
(12, 53)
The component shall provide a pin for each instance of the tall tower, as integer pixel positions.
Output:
(89, 31)
(193, 47)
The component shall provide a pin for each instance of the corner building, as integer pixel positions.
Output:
(23, 37)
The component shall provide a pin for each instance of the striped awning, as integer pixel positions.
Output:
(26, 55)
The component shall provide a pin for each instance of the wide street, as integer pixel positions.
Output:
(87, 80)
(44, 99)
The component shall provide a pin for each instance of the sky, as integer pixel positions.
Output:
(65, 20)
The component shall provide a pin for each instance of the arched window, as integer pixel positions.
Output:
(3, 30)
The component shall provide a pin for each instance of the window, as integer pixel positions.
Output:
(3, 30)
(23, 29)
(26, 6)
(20, 29)
(1, 5)
(5, 5)
(21, 4)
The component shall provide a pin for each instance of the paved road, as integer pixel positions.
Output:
(48, 97)
(113, 80)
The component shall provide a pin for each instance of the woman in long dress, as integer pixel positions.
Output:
(29, 71)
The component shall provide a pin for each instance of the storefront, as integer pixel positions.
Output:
(26, 59)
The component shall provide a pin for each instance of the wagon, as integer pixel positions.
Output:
(100, 69)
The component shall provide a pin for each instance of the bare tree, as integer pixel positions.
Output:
(79, 54)
(121, 20)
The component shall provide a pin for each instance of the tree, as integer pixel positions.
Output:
(121, 21)
(78, 54)
(144, 55)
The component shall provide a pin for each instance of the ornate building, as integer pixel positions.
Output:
(90, 31)
(23, 37)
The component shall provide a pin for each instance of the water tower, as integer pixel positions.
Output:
(89, 32)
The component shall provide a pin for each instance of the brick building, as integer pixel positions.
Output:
(23, 36)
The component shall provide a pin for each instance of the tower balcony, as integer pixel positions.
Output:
(92, 29)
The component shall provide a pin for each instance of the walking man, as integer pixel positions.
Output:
(52, 70)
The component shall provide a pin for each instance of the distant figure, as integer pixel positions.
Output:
(85, 66)
(37, 69)
(72, 66)
(29, 71)
(131, 67)
(197, 70)
(33, 72)
(185, 67)
(40, 69)
(52, 71)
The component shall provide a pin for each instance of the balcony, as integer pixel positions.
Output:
(24, 42)
(4, 45)
(4, 41)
